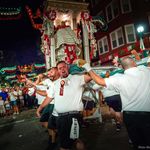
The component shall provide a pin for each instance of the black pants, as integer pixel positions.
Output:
(138, 127)
(64, 127)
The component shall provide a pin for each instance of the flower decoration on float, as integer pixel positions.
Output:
(86, 16)
(50, 14)
(25, 68)
(33, 18)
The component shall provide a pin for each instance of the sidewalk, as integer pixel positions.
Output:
(24, 115)
(27, 132)
(30, 114)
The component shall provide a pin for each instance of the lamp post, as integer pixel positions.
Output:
(140, 30)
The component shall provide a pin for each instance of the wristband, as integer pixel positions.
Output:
(87, 67)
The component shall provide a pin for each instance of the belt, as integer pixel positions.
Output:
(136, 112)
(69, 113)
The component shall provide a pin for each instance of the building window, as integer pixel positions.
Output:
(125, 6)
(117, 39)
(103, 45)
(109, 13)
(115, 8)
(130, 33)
(112, 10)
(101, 14)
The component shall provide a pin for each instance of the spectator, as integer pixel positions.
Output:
(7, 107)
(3, 93)
(13, 100)
(2, 108)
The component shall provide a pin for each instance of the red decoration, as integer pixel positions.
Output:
(92, 52)
(15, 17)
(62, 84)
(85, 16)
(51, 15)
(38, 15)
(71, 54)
(25, 68)
(10, 71)
(21, 78)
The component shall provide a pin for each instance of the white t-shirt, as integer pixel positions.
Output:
(31, 91)
(20, 93)
(15, 94)
(47, 82)
(72, 93)
(12, 97)
(1, 103)
(49, 88)
(134, 88)
(107, 92)
(148, 60)
(39, 97)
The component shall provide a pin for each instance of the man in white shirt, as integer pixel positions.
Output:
(67, 92)
(134, 89)
(48, 113)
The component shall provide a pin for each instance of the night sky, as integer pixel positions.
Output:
(19, 41)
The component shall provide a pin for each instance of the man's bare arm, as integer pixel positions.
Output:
(99, 80)
(41, 92)
(46, 101)
(87, 78)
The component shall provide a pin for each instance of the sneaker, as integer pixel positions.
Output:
(118, 126)
(130, 142)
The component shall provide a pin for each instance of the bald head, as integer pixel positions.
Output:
(128, 62)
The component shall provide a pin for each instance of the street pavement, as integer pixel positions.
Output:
(25, 133)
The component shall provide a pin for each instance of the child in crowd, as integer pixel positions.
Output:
(7, 107)
(2, 108)
(13, 100)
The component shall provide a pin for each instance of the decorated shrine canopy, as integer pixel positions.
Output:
(10, 13)
(12, 74)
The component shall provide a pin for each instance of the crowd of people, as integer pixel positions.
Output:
(15, 99)
(58, 98)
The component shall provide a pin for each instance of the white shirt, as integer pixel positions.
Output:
(20, 93)
(39, 97)
(47, 82)
(134, 88)
(72, 93)
(107, 92)
(12, 97)
(31, 91)
(1, 103)
(148, 60)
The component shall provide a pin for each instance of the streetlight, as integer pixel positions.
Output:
(140, 30)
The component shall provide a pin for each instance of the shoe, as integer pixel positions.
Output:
(130, 142)
(118, 127)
